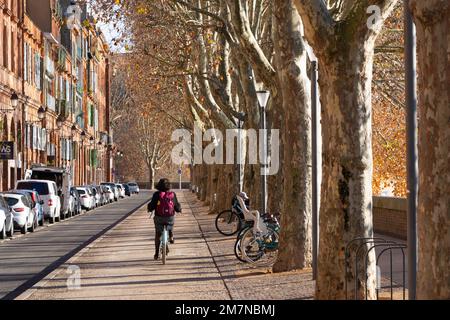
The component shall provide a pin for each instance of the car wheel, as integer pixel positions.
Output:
(11, 231)
(24, 229)
(3, 232)
(33, 226)
(58, 219)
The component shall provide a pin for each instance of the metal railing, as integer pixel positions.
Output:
(361, 248)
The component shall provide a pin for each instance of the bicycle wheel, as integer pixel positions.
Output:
(164, 246)
(237, 245)
(260, 249)
(228, 223)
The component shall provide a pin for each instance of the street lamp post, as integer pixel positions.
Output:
(315, 176)
(412, 149)
(100, 168)
(73, 131)
(59, 124)
(263, 98)
(82, 159)
(91, 162)
(241, 118)
(14, 104)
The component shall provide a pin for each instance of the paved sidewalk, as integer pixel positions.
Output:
(201, 265)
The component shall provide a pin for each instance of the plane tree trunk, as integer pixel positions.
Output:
(344, 44)
(295, 238)
(433, 25)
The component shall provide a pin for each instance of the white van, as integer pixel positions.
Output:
(49, 193)
(60, 176)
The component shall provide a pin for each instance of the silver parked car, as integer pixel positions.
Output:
(134, 188)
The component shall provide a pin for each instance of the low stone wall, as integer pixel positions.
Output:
(174, 185)
(390, 216)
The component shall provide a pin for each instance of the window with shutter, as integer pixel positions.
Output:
(92, 115)
(25, 62)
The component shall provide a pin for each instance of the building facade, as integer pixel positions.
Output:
(60, 73)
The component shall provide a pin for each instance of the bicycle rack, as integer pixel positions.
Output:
(361, 250)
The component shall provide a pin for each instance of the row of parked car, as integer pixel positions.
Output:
(90, 197)
(33, 201)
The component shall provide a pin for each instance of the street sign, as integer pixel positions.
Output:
(6, 150)
(179, 171)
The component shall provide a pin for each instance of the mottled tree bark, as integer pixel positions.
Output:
(203, 182)
(432, 20)
(346, 193)
(151, 177)
(295, 239)
(344, 44)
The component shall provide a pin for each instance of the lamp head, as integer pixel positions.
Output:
(263, 98)
(41, 113)
(14, 100)
(59, 122)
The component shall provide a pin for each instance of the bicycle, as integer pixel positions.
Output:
(261, 246)
(258, 241)
(229, 222)
(163, 242)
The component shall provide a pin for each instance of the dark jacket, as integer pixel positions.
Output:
(152, 204)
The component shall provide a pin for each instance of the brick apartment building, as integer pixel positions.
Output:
(60, 75)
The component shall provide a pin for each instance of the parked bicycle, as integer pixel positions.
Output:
(231, 221)
(257, 240)
(260, 246)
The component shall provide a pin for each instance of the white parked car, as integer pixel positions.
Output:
(121, 190)
(49, 194)
(86, 197)
(6, 219)
(24, 216)
(114, 189)
(97, 195)
(109, 193)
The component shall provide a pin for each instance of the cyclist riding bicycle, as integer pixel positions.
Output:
(165, 204)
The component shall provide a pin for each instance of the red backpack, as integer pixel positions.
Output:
(165, 206)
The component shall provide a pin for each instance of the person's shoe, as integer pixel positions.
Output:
(155, 256)
(171, 240)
